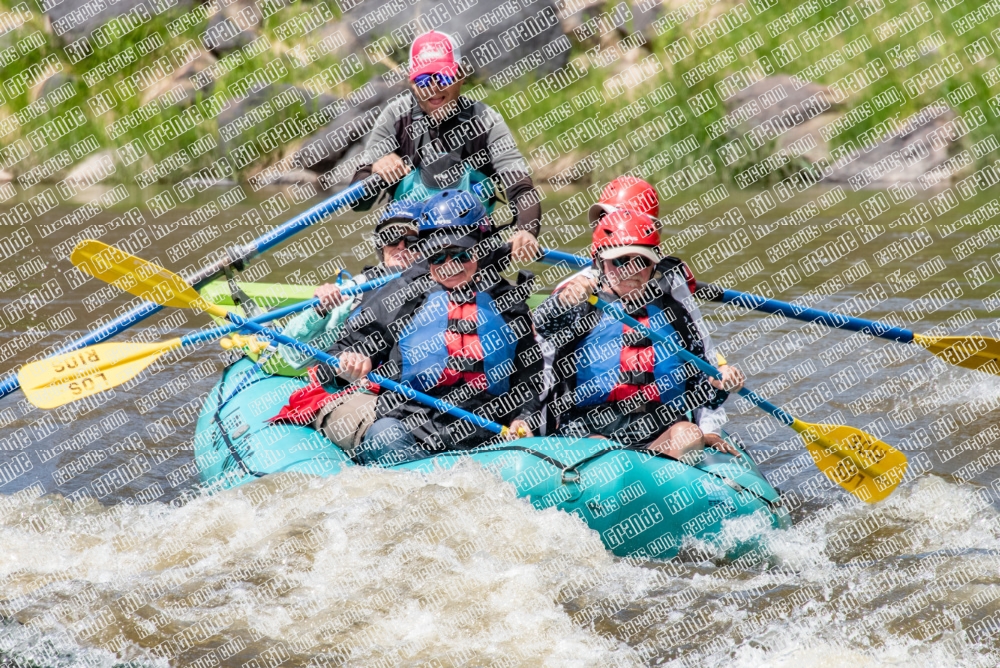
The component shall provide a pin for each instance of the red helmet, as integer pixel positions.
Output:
(624, 232)
(626, 192)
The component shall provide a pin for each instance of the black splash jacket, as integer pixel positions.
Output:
(399, 328)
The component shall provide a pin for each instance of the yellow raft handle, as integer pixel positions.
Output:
(251, 343)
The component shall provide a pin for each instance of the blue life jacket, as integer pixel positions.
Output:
(650, 369)
(428, 359)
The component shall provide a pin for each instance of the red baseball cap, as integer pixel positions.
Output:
(434, 53)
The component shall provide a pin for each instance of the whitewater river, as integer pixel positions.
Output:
(343, 571)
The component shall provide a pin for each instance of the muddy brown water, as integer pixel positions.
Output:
(110, 556)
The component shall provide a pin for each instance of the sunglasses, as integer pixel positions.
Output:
(425, 80)
(639, 261)
(462, 256)
(396, 234)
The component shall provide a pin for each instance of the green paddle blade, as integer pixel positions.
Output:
(971, 352)
(57, 381)
(857, 461)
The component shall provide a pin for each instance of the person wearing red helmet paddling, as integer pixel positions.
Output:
(601, 364)
(633, 194)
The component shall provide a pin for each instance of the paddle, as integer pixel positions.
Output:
(853, 459)
(62, 379)
(237, 257)
(550, 256)
(971, 352)
(151, 281)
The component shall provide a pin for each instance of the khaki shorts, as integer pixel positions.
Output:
(345, 420)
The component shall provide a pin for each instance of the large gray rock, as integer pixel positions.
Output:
(94, 169)
(644, 16)
(67, 26)
(784, 112)
(238, 24)
(782, 100)
(233, 132)
(489, 34)
(48, 85)
(184, 91)
(351, 120)
(908, 154)
(806, 115)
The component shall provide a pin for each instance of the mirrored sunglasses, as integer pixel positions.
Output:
(425, 80)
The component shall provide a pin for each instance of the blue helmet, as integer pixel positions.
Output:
(401, 211)
(456, 214)
(400, 220)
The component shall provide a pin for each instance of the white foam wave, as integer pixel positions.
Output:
(389, 568)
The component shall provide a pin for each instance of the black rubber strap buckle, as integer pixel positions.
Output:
(461, 326)
(462, 364)
(240, 298)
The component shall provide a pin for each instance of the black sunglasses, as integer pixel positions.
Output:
(640, 261)
(462, 256)
(394, 235)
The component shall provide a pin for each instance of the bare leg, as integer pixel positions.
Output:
(684, 438)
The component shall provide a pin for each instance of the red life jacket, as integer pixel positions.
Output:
(305, 402)
(636, 372)
(465, 352)
(689, 277)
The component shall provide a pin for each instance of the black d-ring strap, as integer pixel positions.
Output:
(240, 298)
(735, 486)
(571, 470)
(217, 418)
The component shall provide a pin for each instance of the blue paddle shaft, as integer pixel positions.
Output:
(615, 311)
(277, 314)
(550, 256)
(407, 392)
(765, 305)
(343, 199)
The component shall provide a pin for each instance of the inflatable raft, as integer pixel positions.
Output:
(641, 504)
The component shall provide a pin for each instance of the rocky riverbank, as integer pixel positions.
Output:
(273, 92)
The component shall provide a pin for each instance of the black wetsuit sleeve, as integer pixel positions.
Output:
(383, 138)
(367, 331)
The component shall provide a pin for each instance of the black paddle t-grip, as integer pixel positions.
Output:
(374, 185)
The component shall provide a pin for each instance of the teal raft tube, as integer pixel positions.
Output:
(642, 505)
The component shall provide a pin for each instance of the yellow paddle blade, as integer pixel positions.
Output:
(971, 352)
(857, 461)
(138, 277)
(59, 380)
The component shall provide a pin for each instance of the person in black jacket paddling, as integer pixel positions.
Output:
(450, 331)
(614, 383)
(395, 234)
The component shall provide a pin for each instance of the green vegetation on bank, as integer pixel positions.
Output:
(599, 112)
